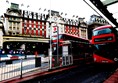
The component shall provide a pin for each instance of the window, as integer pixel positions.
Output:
(14, 14)
(10, 24)
(17, 28)
(14, 19)
(17, 33)
(102, 31)
(10, 33)
(18, 24)
(13, 24)
(13, 28)
(10, 18)
(10, 28)
(17, 19)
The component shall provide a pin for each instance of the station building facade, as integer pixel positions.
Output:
(95, 21)
(35, 24)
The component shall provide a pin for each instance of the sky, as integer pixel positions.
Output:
(71, 7)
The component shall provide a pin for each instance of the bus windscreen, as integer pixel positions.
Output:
(102, 31)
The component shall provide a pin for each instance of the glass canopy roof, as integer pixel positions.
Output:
(107, 8)
(112, 7)
(108, 2)
(114, 10)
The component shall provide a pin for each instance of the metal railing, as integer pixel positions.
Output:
(17, 68)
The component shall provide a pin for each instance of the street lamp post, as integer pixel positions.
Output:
(57, 44)
(50, 51)
(56, 22)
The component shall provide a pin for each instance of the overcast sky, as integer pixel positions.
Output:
(71, 7)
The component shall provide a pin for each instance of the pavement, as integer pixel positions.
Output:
(113, 78)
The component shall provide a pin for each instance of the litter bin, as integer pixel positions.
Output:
(37, 61)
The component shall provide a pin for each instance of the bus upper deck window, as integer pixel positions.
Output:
(102, 31)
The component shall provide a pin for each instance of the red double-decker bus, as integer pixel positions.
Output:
(70, 50)
(105, 41)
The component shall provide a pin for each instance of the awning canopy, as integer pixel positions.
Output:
(106, 8)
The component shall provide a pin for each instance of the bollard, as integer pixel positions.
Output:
(21, 68)
(37, 61)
